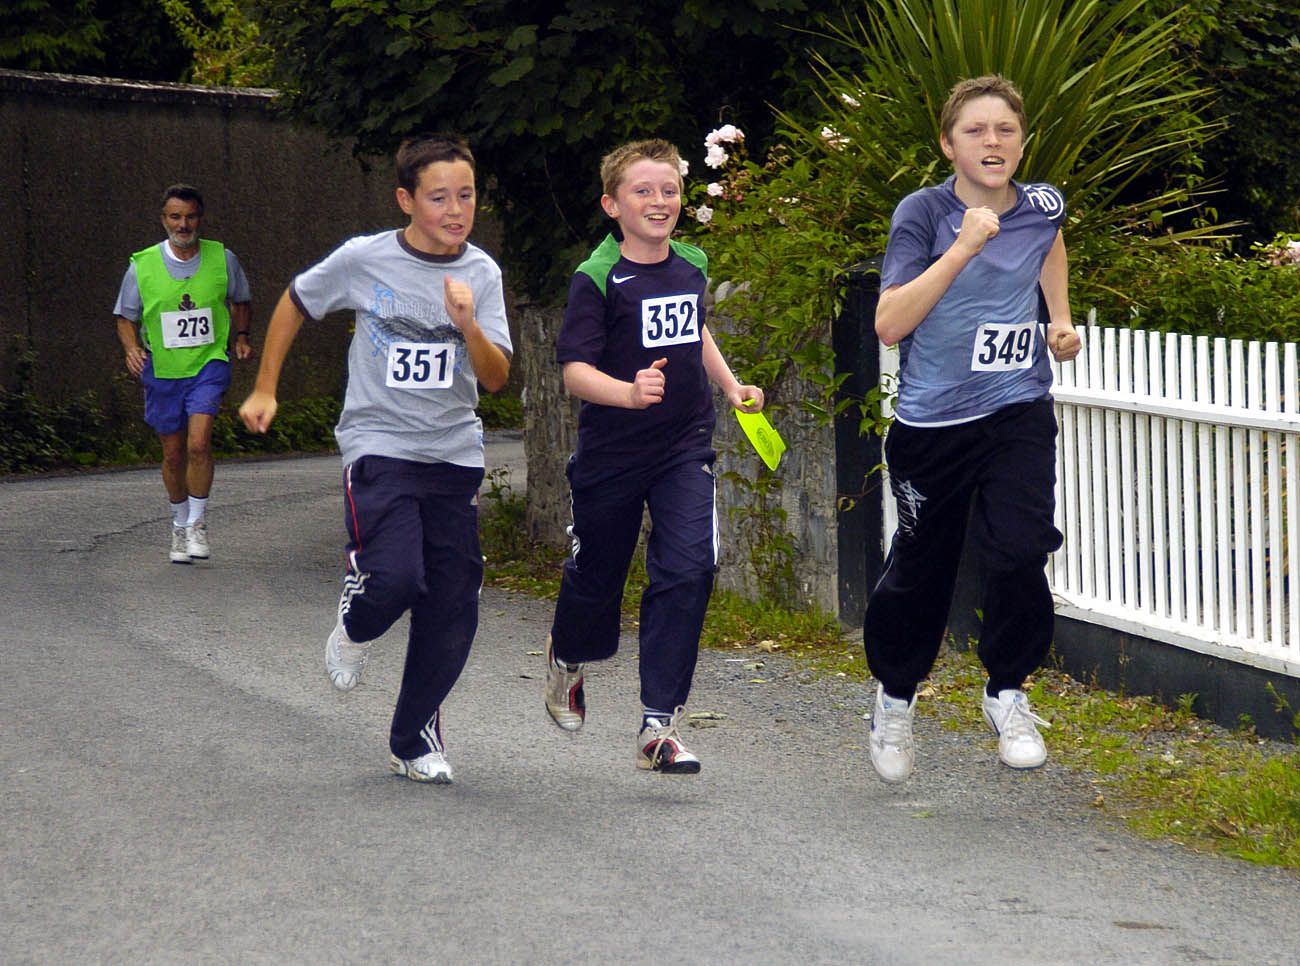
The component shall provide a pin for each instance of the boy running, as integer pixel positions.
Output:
(636, 351)
(430, 323)
(974, 434)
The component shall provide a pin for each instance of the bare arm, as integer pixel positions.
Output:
(1062, 339)
(491, 365)
(128, 333)
(903, 307)
(241, 314)
(259, 408)
(721, 375)
(589, 384)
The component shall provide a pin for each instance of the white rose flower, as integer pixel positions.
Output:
(714, 189)
(704, 214)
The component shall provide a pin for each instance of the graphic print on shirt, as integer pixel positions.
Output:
(1046, 198)
(423, 348)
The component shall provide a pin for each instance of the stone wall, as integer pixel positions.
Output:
(807, 470)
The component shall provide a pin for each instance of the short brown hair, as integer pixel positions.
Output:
(615, 164)
(419, 152)
(973, 87)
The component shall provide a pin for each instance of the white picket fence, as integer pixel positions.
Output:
(1178, 492)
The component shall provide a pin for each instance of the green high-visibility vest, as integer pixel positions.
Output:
(185, 322)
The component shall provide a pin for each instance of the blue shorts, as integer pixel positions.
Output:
(169, 403)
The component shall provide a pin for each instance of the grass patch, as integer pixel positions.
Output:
(1167, 773)
(1164, 771)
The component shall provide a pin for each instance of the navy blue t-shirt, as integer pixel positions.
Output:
(620, 318)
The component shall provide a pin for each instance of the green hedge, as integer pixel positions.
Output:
(1195, 289)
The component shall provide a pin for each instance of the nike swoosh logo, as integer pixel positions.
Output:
(620, 279)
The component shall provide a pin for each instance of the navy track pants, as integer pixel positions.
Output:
(413, 545)
(681, 558)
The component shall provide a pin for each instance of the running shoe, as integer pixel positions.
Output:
(430, 767)
(565, 699)
(344, 658)
(180, 552)
(196, 540)
(660, 748)
(891, 736)
(1019, 743)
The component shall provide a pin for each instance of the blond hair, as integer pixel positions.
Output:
(614, 165)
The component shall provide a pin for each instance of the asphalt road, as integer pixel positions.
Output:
(182, 785)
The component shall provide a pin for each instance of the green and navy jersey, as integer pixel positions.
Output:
(621, 317)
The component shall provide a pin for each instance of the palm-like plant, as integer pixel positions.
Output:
(1110, 106)
(1112, 122)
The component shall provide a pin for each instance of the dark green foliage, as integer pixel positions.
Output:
(501, 519)
(1195, 290)
(300, 425)
(55, 35)
(109, 38)
(540, 89)
(40, 435)
(500, 411)
(1253, 60)
(1248, 53)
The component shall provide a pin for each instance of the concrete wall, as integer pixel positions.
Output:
(83, 164)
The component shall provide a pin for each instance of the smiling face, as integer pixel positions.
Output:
(441, 207)
(985, 144)
(646, 205)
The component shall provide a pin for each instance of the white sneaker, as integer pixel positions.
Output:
(431, 767)
(344, 658)
(891, 736)
(659, 748)
(1019, 743)
(196, 540)
(180, 552)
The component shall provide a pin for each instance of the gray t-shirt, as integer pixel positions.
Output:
(129, 305)
(411, 387)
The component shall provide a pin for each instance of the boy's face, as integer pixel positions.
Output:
(441, 208)
(986, 143)
(181, 221)
(646, 202)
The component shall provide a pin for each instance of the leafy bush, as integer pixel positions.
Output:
(1108, 107)
(1195, 289)
(500, 411)
(41, 435)
(300, 425)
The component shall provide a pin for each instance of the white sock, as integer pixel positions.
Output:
(198, 504)
(180, 513)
